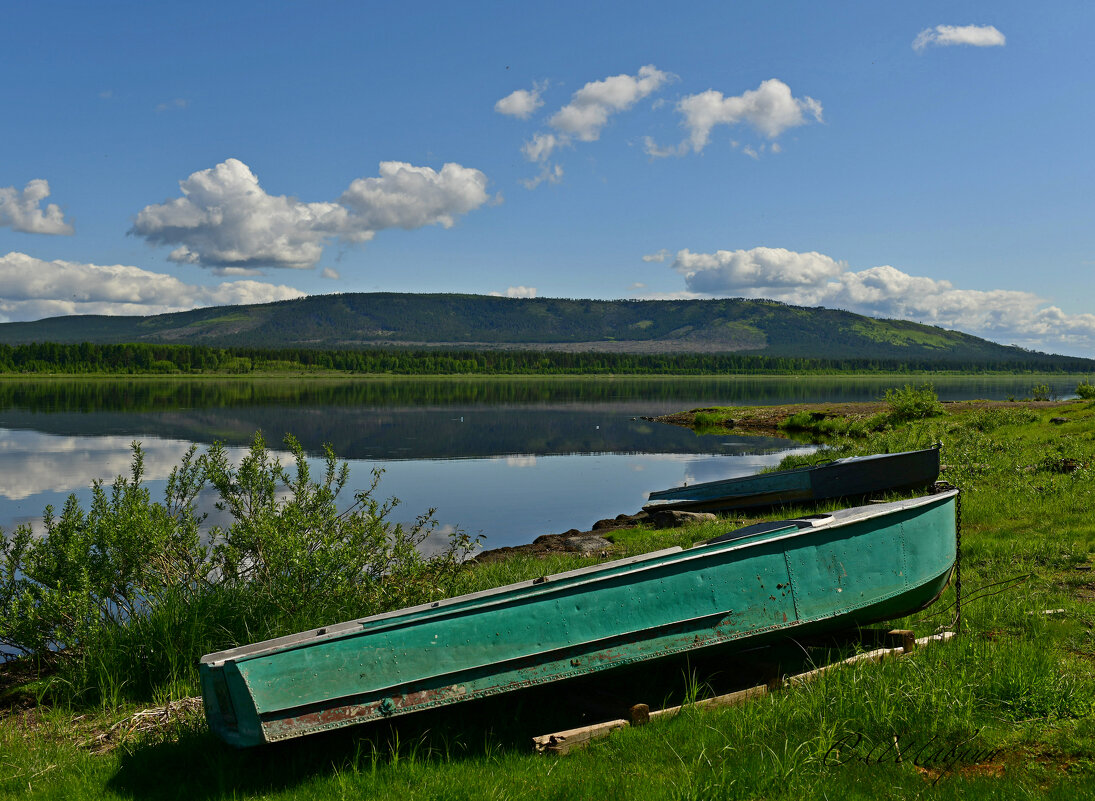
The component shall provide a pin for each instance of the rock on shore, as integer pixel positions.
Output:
(592, 543)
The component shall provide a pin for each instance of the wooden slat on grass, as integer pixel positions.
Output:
(563, 741)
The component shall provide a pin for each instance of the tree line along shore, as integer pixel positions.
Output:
(44, 358)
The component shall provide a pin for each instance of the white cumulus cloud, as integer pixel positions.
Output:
(516, 292)
(405, 196)
(21, 210)
(658, 256)
(770, 109)
(225, 219)
(587, 113)
(950, 35)
(173, 105)
(656, 151)
(759, 268)
(591, 106)
(32, 288)
(549, 173)
(814, 279)
(522, 103)
(542, 145)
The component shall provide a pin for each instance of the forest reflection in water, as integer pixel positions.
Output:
(510, 459)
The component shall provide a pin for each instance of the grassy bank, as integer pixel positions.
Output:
(1007, 710)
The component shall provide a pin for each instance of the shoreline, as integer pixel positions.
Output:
(766, 420)
(904, 377)
(744, 420)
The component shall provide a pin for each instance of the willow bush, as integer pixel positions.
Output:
(120, 600)
(912, 403)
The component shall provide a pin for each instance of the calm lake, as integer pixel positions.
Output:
(508, 459)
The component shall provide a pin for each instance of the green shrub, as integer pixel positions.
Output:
(300, 556)
(1042, 392)
(121, 600)
(238, 364)
(709, 418)
(821, 425)
(800, 421)
(1085, 390)
(913, 403)
(102, 567)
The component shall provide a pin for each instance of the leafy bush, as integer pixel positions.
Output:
(801, 421)
(1042, 392)
(711, 419)
(1085, 390)
(299, 556)
(122, 599)
(913, 403)
(821, 425)
(102, 567)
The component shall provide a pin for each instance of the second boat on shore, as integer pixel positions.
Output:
(854, 477)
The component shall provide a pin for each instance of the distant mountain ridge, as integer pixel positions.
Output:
(370, 320)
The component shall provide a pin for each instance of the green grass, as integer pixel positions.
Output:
(711, 420)
(1006, 710)
(825, 427)
(238, 317)
(877, 331)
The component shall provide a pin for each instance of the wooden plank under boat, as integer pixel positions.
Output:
(817, 573)
(856, 476)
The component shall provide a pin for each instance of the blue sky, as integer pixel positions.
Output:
(928, 161)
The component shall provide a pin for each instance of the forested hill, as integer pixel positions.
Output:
(755, 327)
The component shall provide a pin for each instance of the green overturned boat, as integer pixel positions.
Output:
(856, 476)
(809, 574)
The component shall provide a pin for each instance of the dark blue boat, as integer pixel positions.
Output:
(854, 477)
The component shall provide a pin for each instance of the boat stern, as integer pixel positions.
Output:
(229, 710)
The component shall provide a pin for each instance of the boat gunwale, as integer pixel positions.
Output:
(550, 584)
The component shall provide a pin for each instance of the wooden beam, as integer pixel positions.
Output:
(563, 741)
(903, 638)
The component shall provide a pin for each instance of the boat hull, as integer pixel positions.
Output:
(854, 477)
(855, 567)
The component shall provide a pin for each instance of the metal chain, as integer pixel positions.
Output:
(942, 486)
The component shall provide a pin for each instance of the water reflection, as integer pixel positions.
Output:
(444, 418)
(509, 499)
(509, 459)
(647, 395)
(32, 463)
